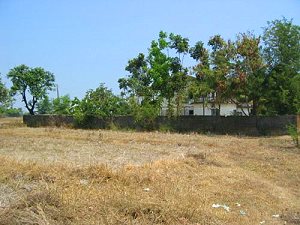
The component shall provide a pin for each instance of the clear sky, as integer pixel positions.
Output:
(85, 43)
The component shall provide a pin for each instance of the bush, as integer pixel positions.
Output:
(294, 133)
(11, 112)
(62, 105)
(144, 114)
(100, 103)
(166, 128)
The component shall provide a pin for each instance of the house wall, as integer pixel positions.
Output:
(198, 109)
(227, 109)
(246, 111)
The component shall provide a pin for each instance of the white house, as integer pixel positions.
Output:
(208, 107)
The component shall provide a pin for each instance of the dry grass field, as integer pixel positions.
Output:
(68, 176)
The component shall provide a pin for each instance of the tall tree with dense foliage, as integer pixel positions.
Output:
(221, 62)
(282, 55)
(199, 88)
(144, 100)
(160, 74)
(178, 77)
(159, 67)
(31, 83)
(139, 81)
(248, 81)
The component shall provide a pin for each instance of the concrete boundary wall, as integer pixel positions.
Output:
(48, 120)
(253, 125)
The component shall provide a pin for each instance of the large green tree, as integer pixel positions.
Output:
(138, 82)
(248, 81)
(222, 64)
(282, 55)
(213, 69)
(31, 83)
(159, 75)
(143, 99)
(177, 81)
(200, 88)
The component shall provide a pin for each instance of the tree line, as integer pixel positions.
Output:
(262, 72)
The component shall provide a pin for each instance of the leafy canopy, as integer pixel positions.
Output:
(31, 83)
(158, 75)
(282, 55)
(101, 103)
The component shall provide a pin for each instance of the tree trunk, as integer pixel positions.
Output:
(31, 111)
(34, 101)
(170, 111)
(254, 107)
(178, 104)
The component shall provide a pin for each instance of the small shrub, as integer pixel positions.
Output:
(113, 126)
(10, 112)
(165, 128)
(294, 133)
(145, 114)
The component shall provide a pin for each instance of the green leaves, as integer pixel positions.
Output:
(160, 74)
(282, 54)
(282, 44)
(19, 76)
(31, 81)
(180, 44)
(62, 105)
(199, 52)
(100, 102)
(45, 106)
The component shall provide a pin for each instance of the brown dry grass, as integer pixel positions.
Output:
(64, 176)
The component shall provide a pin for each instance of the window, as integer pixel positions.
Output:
(215, 112)
(191, 112)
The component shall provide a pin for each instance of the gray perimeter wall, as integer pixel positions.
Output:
(253, 125)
